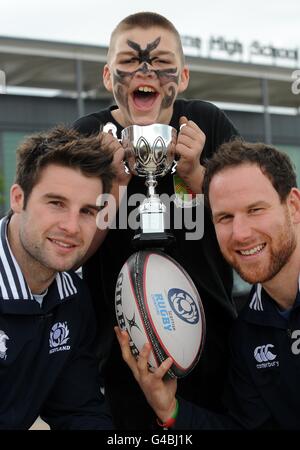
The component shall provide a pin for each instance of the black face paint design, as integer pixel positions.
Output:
(120, 81)
(164, 76)
(144, 55)
(122, 78)
(167, 76)
(168, 99)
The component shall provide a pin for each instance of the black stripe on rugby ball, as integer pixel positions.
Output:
(136, 265)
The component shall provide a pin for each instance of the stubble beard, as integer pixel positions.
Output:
(35, 256)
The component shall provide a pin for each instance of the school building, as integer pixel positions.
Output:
(43, 83)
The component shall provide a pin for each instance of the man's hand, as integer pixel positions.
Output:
(190, 143)
(160, 394)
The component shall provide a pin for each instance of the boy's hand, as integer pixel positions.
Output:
(160, 394)
(108, 141)
(190, 143)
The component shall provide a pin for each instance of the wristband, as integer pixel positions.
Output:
(184, 196)
(171, 421)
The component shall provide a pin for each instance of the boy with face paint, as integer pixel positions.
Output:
(145, 72)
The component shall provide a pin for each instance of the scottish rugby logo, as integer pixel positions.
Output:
(183, 305)
(3, 347)
(59, 336)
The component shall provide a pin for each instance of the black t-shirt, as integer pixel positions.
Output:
(201, 258)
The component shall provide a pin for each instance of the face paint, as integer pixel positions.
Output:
(120, 82)
(164, 76)
(144, 55)
(168, 99)
(122, 78)
(167, 76)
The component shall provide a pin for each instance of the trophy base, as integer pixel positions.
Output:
(150, 240)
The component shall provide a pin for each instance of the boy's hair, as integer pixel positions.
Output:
(64, 147)
(274, 164)
(145, 20)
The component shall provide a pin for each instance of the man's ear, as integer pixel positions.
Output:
(16, 198)
(184, 79)
(107, 78)
(294, 205)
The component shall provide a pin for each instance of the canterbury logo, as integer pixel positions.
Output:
(263, 354)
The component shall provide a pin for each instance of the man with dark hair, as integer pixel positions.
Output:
(145, 72)
(47, 328)
(255, 206)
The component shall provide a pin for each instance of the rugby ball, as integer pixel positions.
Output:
(157, 302)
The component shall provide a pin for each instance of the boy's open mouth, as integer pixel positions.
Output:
(144, 97)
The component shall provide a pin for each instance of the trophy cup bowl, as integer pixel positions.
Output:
(149, 149)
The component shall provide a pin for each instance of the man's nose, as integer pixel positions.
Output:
(70, 222)
(241, 229)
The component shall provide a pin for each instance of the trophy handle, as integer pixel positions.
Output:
(126, 168)
(111, 128)
(173, 168)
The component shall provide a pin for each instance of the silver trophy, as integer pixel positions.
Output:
(150, 153)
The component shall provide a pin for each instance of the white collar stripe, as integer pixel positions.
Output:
(26, 293)
(70, 283)
(259, 288)
(8, 265)
(256, 302)
(3, 290)
(59, 286)
(7, 275)
(13, 279)
(65, 285)
(253, 301)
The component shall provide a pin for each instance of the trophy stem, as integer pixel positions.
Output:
(151, 184)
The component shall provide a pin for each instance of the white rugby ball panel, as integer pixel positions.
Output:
(157, 302)
(173, 308)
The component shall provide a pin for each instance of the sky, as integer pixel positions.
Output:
(275, 22)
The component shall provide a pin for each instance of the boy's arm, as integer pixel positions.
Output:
(190, 143)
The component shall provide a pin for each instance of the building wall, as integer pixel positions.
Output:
(23, 115)
(10, 141)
